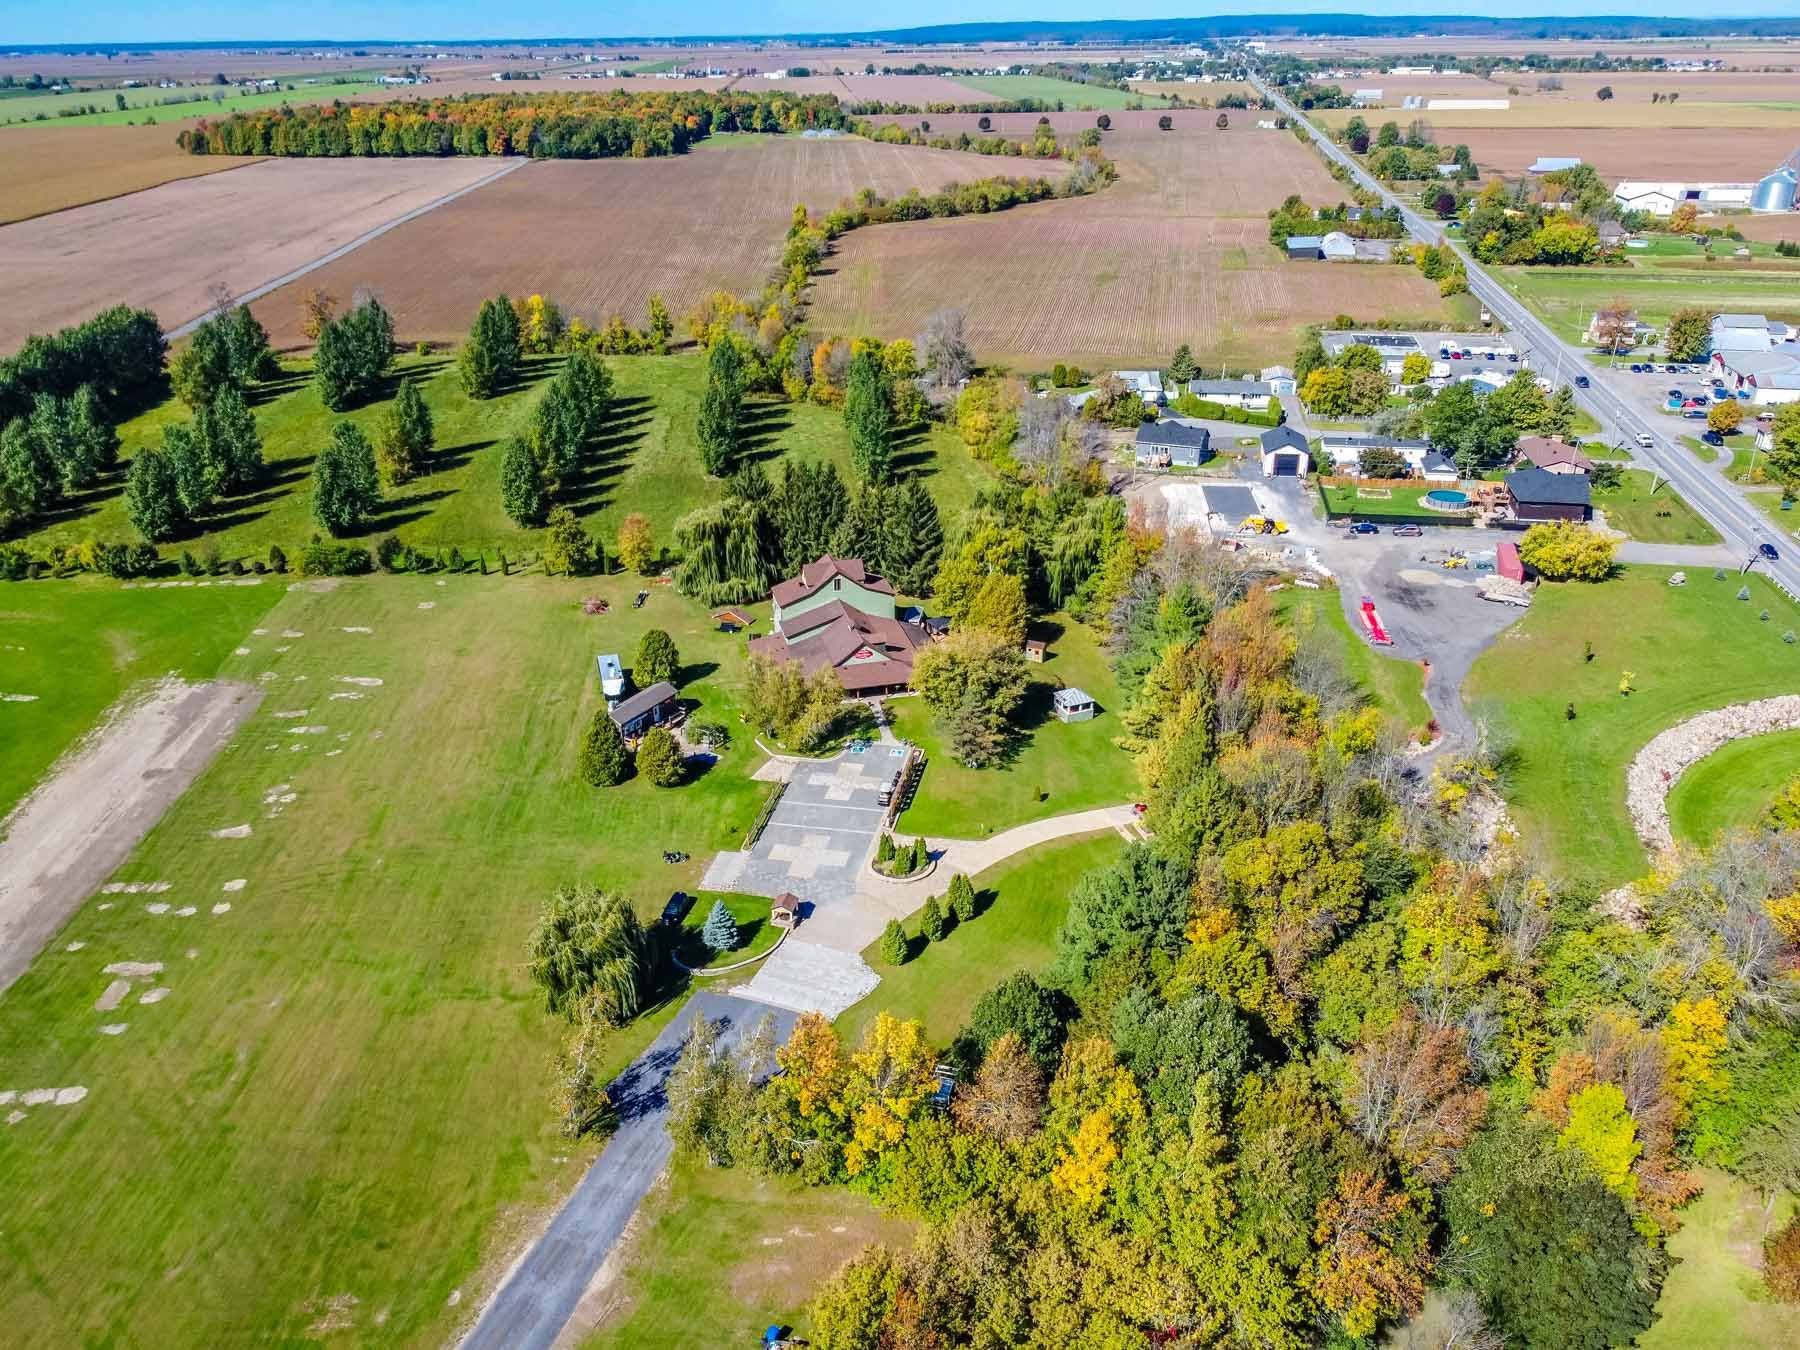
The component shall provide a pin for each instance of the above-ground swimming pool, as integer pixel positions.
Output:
(1445, 499)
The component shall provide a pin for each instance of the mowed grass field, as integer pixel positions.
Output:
(162, 104)
(1059, 767)
(339, 1116)
(1733, 786)
(1660, 517)
(1566, 297)
(1176, 251)
(1689, 649)
(1022, 902)
(647, 460)
(1049, 89)
(53, 167)
(1714, 1297)
(601, 236)
(69, 650)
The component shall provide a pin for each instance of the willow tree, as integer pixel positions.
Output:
(729, 552)
(589, 950)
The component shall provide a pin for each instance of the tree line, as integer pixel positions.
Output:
(564, 125)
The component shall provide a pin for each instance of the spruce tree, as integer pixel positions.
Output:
(809, 507)
(346, 489)
(28, 479)
(604, 760)
(884, 851)
(893, 944)
(406, 436)
(236, 445)
(867, 418)
(656, 660)
(96, 439)
(199, 471)
(489, 360)
(720, 931)
(931, 921)
(721, 423)
(921, 855)
(152, 499)
(962, 898)
(659, 757)
(521, 484)
(248, 343)
(913, 538)
(1181, 365)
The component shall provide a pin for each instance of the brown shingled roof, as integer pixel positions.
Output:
(815, 574)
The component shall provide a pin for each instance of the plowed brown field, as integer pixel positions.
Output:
(601, 236)
(166, 248)
(51, 168)
(1663, 155)
(1176, 251)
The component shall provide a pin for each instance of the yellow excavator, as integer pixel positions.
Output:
(1263, 525)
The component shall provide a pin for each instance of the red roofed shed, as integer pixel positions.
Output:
(1506, 561)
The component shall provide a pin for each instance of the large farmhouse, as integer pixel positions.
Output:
(839, 615)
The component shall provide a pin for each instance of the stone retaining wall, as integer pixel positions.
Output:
(1652, 773)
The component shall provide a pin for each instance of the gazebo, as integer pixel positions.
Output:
(784, 910)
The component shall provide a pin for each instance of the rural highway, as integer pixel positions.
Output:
(1739, 523)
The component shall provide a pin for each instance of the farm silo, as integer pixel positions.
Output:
(1775, 193)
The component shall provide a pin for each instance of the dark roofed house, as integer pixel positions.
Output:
(1169, 442)
(1553, 456)
(645, 709)
(1538, 494)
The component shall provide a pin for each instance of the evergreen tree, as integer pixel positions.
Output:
(931, 921)
(236, 445)
(604, 760)
(202, 368)
(659, 757)
(352, 355)
(568, 548)
(489, 359)
(372, 336)
(558, 431)
(199, 472)
(913, 539)
(721, 423)
(334, 367)
(521, 484)
(884, 851)
(809, 507)
(406, 436)
(867, 418)
(93, 435)
(921, 854)
(962, 898)
(720, 931)
(656, 659)
(893, 944)
(345, 486)
(863, 532)
(662, 326)
(248, 344)
(277, 559)
(1181, 365)
(152, 497)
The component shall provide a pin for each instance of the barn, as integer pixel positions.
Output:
(1285, 453)
(1538, 494)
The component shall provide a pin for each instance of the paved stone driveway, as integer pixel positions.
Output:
(821, 835)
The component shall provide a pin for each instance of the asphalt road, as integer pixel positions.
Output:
(541, 1292)
(1737, 521)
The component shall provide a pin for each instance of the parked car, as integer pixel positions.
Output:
(1712, 438)
(1512, 356)
(1701, 400)
(1408, 531)
(1490, 356)
(1768, 551)
(1581, 382)
(1675, 393)
(1456, 356)
(1364, 527)
(1694, 413)
(1637, 367)
(1744, 395)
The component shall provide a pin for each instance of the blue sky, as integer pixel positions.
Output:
(196, 20)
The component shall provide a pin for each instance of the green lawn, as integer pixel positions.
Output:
(1394, 685)
(1769, 503)
(1023, 902)
(1705, 453)
(1714, 1298)
(1348, 499)
(144, 105)
(1566, 297)
(1729, 789)
(723, 1253)
(347, 1089)
(1058, 768)
(647, 460)
(1690, 649)
(76, 646)
(1661, 517)
(1049, 89)
(755, 933)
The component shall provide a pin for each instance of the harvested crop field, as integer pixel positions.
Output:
(1638, 116)
(602, 235)
(1176, 251)
(51, 168)
(916, 89)
(168, 247)
(1670, 153)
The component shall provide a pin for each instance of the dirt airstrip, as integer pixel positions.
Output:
(61, 842)
(166, 248)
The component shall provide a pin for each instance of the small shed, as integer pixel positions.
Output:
(1073, 705)
(1285, 453)
(612, 675)
(1035, 650)
(645, 709)
(1506, 561)
(784, 910)
(732, 620)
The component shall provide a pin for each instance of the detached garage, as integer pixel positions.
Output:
(1285, 454)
